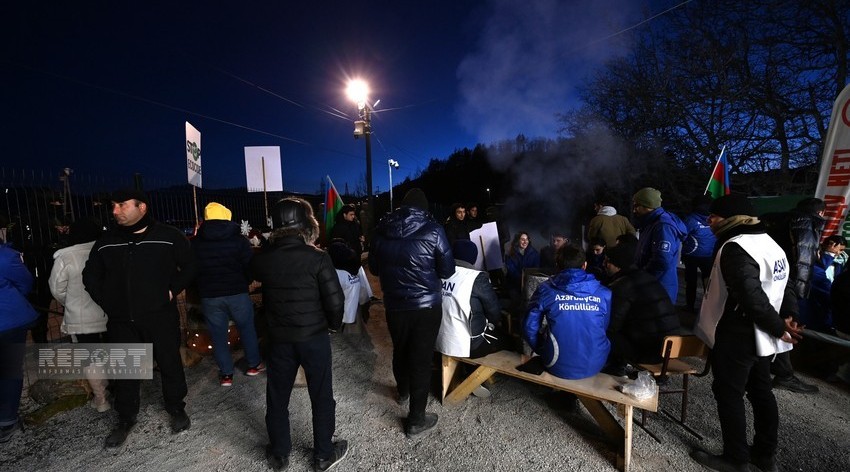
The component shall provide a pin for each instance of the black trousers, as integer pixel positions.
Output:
(283, 360)
(414, 333)
(691, 265)
(737, 370)
(781, 366)
(163, 331)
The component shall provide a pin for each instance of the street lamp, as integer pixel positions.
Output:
(390, 165)
(489, 201)
(358, 92)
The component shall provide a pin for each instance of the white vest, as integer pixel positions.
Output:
(773, 273)
(357, 292)
(454, 336)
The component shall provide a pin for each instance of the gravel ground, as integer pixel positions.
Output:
(519, 427)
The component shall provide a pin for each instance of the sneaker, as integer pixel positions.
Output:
(254, 371)
(481, 392)
(180, 422)
(120, 433)
(6, 432)
(418, 429)
(719, 463)
(225, 380)
(101, 405)
(340, 451)
(276, 462)
(794, 384)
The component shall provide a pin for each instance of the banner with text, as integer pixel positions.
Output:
(193, 155)
(834, 179)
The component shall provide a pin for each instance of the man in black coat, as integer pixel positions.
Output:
(303, 300)
(135, 272)
(410, 254)
(641, 312)
(348, 228)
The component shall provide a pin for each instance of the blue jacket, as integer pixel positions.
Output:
(15, 283)
(410, 254)
(577, 309)
(699, 241)
(223, 256)
(661, 235)
(516, 262)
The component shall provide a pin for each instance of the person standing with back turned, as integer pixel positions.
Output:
(410, 253)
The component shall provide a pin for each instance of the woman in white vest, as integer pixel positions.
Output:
(746, 318)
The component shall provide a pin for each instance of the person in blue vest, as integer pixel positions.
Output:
(697, 249)
(661, 235)
(577, 309)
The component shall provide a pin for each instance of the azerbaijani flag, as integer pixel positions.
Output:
(333, 205)
(718, 184)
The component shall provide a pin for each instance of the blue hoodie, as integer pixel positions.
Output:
(699, 241)
(15, 283)
(661, 236)
(577, 309)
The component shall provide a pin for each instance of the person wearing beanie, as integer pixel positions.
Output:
(641, 313)
(82, 318)
(135, 272)
(661, 236)
(697, 249)
(471, 309)
(410, 254)
(745, 319)
(223, 257)
(347, 228)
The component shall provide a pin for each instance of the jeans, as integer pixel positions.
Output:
(314, 355)
(218, 311)
(12, 346)
(414, 333)
(737, 370)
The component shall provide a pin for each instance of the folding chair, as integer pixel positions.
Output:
(674, 348)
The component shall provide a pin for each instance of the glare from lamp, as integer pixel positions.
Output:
(358, 92)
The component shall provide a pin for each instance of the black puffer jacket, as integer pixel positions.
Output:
(641, 310)
(410, 254)
(805, 230)
(129, 275)
(747, 303)
(301, 292)
(223, 255)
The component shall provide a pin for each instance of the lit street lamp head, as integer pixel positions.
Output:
(358, 92)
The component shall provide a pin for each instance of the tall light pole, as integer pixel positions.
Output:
(358, 92)
(390, 165)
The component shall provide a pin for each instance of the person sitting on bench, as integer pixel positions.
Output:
(567, 318)
(471, 309)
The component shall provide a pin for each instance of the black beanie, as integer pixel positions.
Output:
(415, 197)
(731, 205)
(343, 257)
(465, 250)
(622, 256)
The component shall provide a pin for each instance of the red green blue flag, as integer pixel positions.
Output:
(718, 185)
(333, 205)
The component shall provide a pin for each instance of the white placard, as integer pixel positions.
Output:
(193, 155)
(487, 239)
(262, 168)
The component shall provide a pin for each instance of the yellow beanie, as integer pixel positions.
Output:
(216, 211)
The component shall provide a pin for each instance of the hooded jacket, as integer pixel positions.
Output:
(577, 308)
(223, 256)
(15, 283)
(410, 254)
(607, 225)
(699, 241)
(301, 291)
(661, 235)
(81, 315)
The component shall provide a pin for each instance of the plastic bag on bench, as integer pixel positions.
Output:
(641, 388)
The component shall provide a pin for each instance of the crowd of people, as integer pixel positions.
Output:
(605, 306)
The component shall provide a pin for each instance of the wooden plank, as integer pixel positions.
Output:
(472, 382)
(449, 368)
(600, 386)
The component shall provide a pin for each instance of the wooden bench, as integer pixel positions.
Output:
(591, 392)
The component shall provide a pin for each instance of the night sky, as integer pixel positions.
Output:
(105, 87)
